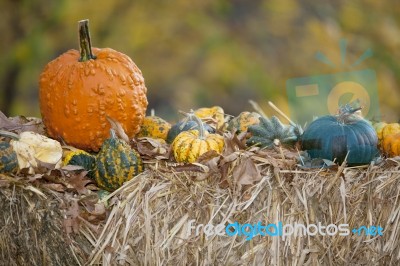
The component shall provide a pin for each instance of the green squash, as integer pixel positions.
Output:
(116, 163)
(269, 131)
(332, 137)
(81, 158)
(8, 158)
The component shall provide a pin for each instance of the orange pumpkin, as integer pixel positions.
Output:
(390, 129)
(79, 89)
(391, 145)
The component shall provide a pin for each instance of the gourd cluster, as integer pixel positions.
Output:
(80, 91)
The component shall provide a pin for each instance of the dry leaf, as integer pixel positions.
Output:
(20, 124)
(246, 172)
(95, 212)
(119, 130)
(232, 144)
(210, 159)
(54, 187)
(71, 168)
(32, 178)
(230, 158)
(71, 221)
(5, 123)
(79, 182)
(153, 148)
(189, 167)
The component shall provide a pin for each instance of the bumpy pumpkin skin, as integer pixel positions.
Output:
(76, 97)
(8, 158)
(188, 146)
(154, 127)
(116, 163)
(328, 138)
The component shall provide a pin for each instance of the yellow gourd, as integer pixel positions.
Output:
(188, 146)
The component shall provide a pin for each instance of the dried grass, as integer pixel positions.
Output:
(148, 220)
(31, 231)
(148, 223)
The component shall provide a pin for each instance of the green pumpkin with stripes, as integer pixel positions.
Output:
(116, 163)
(8, 158)
(83, 159)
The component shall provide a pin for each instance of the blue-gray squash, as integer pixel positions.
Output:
(334, 137)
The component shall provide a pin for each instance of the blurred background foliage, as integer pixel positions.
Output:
(203, 53)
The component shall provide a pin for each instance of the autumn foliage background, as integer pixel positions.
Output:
(203, 53)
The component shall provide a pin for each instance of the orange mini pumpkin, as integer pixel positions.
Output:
(79, 89)
(391, 145)
(390, 129)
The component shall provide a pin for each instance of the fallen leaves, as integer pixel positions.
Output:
(246, 172)
(79, 182)
(118, 129)
(71, 221)
(88, 209)
(153, 148)
(20, 124)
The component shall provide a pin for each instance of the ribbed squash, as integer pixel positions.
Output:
(8, 158)
(154, 127)
(271, 131)
(215, 112)
(188, 146)
(186, 125)
(116, 163)
(334, 137)
(243, 121)
(80, 89)
(81, 158)
(391, 145)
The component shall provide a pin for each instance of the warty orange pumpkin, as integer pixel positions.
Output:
(79, 89)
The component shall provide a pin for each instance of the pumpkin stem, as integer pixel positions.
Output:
(348, 114)
(193, 117)
(112, 133)
(84, 41)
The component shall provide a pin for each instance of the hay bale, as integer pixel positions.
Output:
(32, 230)
(149, 220)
